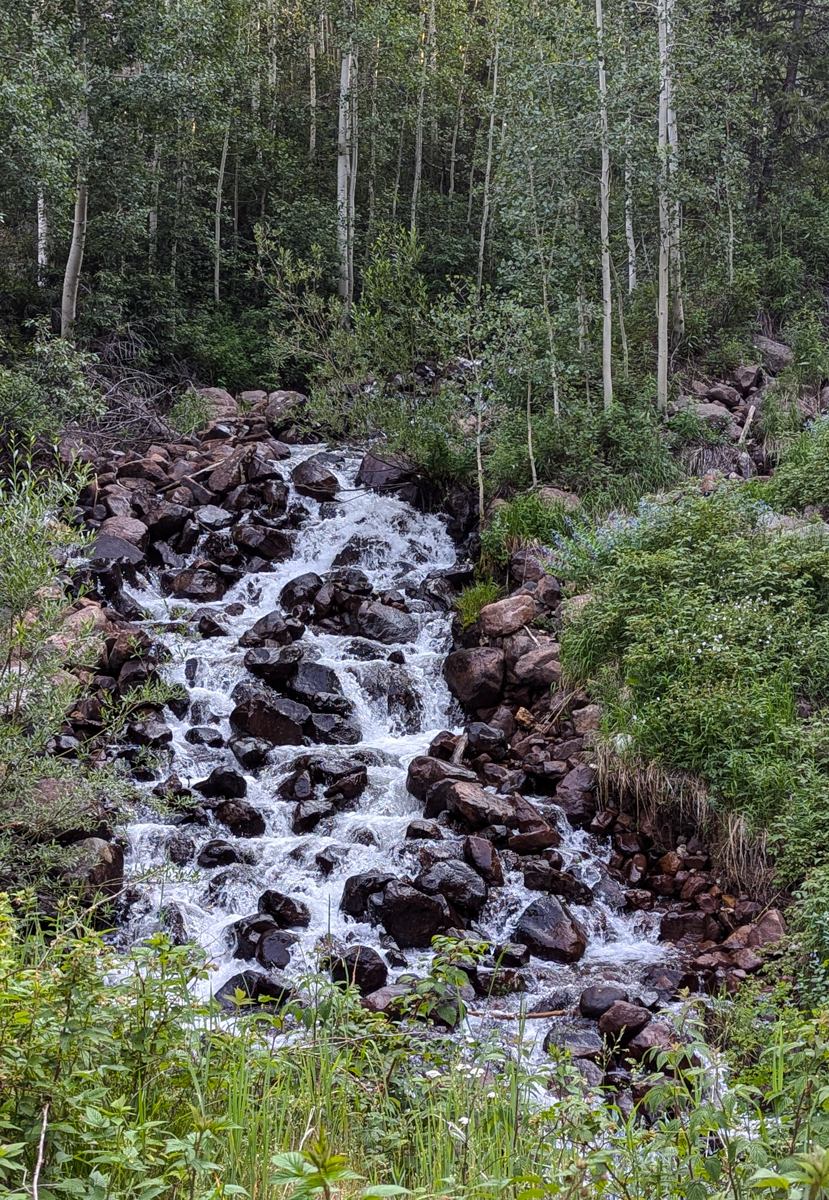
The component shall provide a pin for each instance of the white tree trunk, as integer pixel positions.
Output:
(607, 292)
(372, 165)
(152, 215)
(487, 174)
(74, 262)
(630, 236)
(312, 87)
(530, 433)
(217, 220)
(673, 169)
(663, 272)
(426, 61)
(42, 239)
(344, 182)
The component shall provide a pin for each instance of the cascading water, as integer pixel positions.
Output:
(399, 707)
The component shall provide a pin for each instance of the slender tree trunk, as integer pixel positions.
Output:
(152, 215)
(217, 222)
(345, 223)
(372, 162)
(42, 239)
(663, 272)
(545, 298)
(74, 261)
(312, 86)
(487, 175)
(673, 169)
(426, 57)
(607, 293)
(630, 237)
(396, 193)
(453, 152)
(352, 173)
(530, 433)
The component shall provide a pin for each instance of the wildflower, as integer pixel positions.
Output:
(433, 1074)
(463, 1120)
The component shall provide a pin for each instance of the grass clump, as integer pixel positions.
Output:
(189, 413)
(707, 639)
(802, 477)
(475, 597)
(528, 518)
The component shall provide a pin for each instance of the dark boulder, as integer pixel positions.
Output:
(358, 888)
(223, 781)
(284, 909)
(384, 473)
(481, 855)
(385, 624)
(274, 666)
(271, 718)
(259, 541)
(595, 1001)
(217, 853)
(623, 1020)
(575, 795)
(246, 933)
(312, 478)
(265, 991)
(241, 818)
(272, 630)
(475, 677)
(361, 966)
(274, 949)
(308, 814)
(197, 584)
(424, 771)
(456, 882)
(486, 739)
(332, 730)
(300, 592)
(424, 831)
(550, 932)
(250, 752)
(410, 916)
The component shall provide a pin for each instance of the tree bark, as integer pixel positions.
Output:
(663, 272)
(630, 236)
(74, 261)
(312, 86)
(487, 176)
(427, 39)
(217, 221)
(530, 433)
(42, 239)
(345, 192)
(673, 168)
(607, 292)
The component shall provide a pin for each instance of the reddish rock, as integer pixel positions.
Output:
(768, 929)
(475, 677)
(506, 616)
(574, 795)
(623, 1019)
(587, 719)
(687, 929)
(425, 771)
(539, 668)
(693, 886)
(538, 839)
(550, 932)
(595, 1001)
(655, 1037)
(475, 806)
(640, 899)
(481, 855)
(128, 529)
(670, 863)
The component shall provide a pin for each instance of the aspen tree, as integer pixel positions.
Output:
(607, 293)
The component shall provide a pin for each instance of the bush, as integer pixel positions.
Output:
(189, 413)
(45, 388)
(802, 478)
(707, 635)
(527, 518)
(473, 599)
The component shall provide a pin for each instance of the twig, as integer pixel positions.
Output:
(747, 425)
(39, 1163)
(505, 1016)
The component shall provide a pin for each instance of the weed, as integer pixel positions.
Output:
(190, 413)
(475, 597)
(527, 519)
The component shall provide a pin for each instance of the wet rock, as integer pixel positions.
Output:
(623, 1020)
(384, 473)
(152, 732)
(387, 1000)
(475, 677)
(576, 797)
(180, 849)
(308, 814)
(250, 752)
(310, 679)
(580, 1041)
(274, 949)
(272, 630)
(107, 548)
(223, 781)
(196, 584)
(497, 981)
(506, 616)
(274, 666)
(471, 803)
(651, 1040)
(358, 888)
(211, 517)
(424, 830)
(209, 627)
(486, 739)
(128, 529)
(534, 840)
(312, 478)
(480, 854)
(241, 818)
(410, 916)
(595, 1001)
(270, 544)
(265, 991)
(385, 624)
(246, 934)
(300, 592)
(424, 771)
(361, 966)
(204, 735)
(331, 730)
(217, 853)
(550, 932)
(540, 876)
(285, 910)
(688, 928)
(511, 954)
(458, 883)
(271, 718)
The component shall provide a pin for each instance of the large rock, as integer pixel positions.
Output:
(270, 718)
(220, 403)
(475, 677)
(767, 929)
(687, 928)
(575, 795)
(98, 867)
(383, 473)
(107, 548)
(358, 888)
(410, 916)
(217, 853)
(300, 591)
(332, 730)
(539, 668)
(258, 541)
(456, 882)
(595, 1001)
(550, 932)
(775, 355)
(197, 584)
(361, 966)
(471, 803)
(312, 679)
(128, 528)
(385, 624)
(285, 910)
(623, 1020)
(481, 855)
(424, 771)
(506, 616)
(312, 478)
(241, 818)
(283, 408)
(258, 991)
(273, 630)
(225, 782)
(274, 666)
(486, 739)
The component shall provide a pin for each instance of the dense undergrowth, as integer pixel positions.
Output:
(117, 1081)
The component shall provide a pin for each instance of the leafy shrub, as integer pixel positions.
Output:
(706, 629)
(802, 477)
(225, 349)
(46, 387)
(527, 518)
(472, 599)
(189, 413)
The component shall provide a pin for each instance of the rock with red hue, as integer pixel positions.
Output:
(424, 831)
(526, 566)
(654, 1038)
(481, 855)
(384, 473)
(197, 584)
(550, 932)
(502, 718)
(768, 929)
(474, 806)
(425, 771)
(312, 478)
(282, 409)
(271, 544)
(687, 929)
(693, 886)
(539, 668)
(595, 1001)
(640, 899)
(221, 403)
(475, 677)
(747, 960)
(387, 1000)
(458, 883)
(623, 1020)
(587, 719)
(575, 795)
(506, 616)
(670, 863)
(535, 840)
(128, 529)
(272, 718)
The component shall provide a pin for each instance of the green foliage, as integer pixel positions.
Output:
(225, 349)
(190, 413)
(802, 477)
(707, 630)
(528, 518)
(46, 387)
(475, 597)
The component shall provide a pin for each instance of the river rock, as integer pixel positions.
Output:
(241, 818)
(272, 665)
(456, 882)
(768, 929)
(312, 478)
(312, 678)
(481, 855)
(473, 805)
(271, 718)
(550, 932)
(270, 544)
(383, 473)
(217, 853)
(246, 933)
(575, 795)
(361, 966)
(410, 916)
(331, 730)
(623, 1020)
(129, 529)
(98, 867)
(210, 516)
(382, 623)
(250, 752)
(108, 548)
(486, 739)
(266, 991)
(223, 781)
(539, 668)
(196, 584)
(308, 814)
(424, 831)
(300, 592)
(506, 616)
(686, 928)
(595, 1001)
(358, 888)
(424, 771)
(475, 677)
(580, 1041)
(285, 910)
(272, 630)
(655, 1037)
